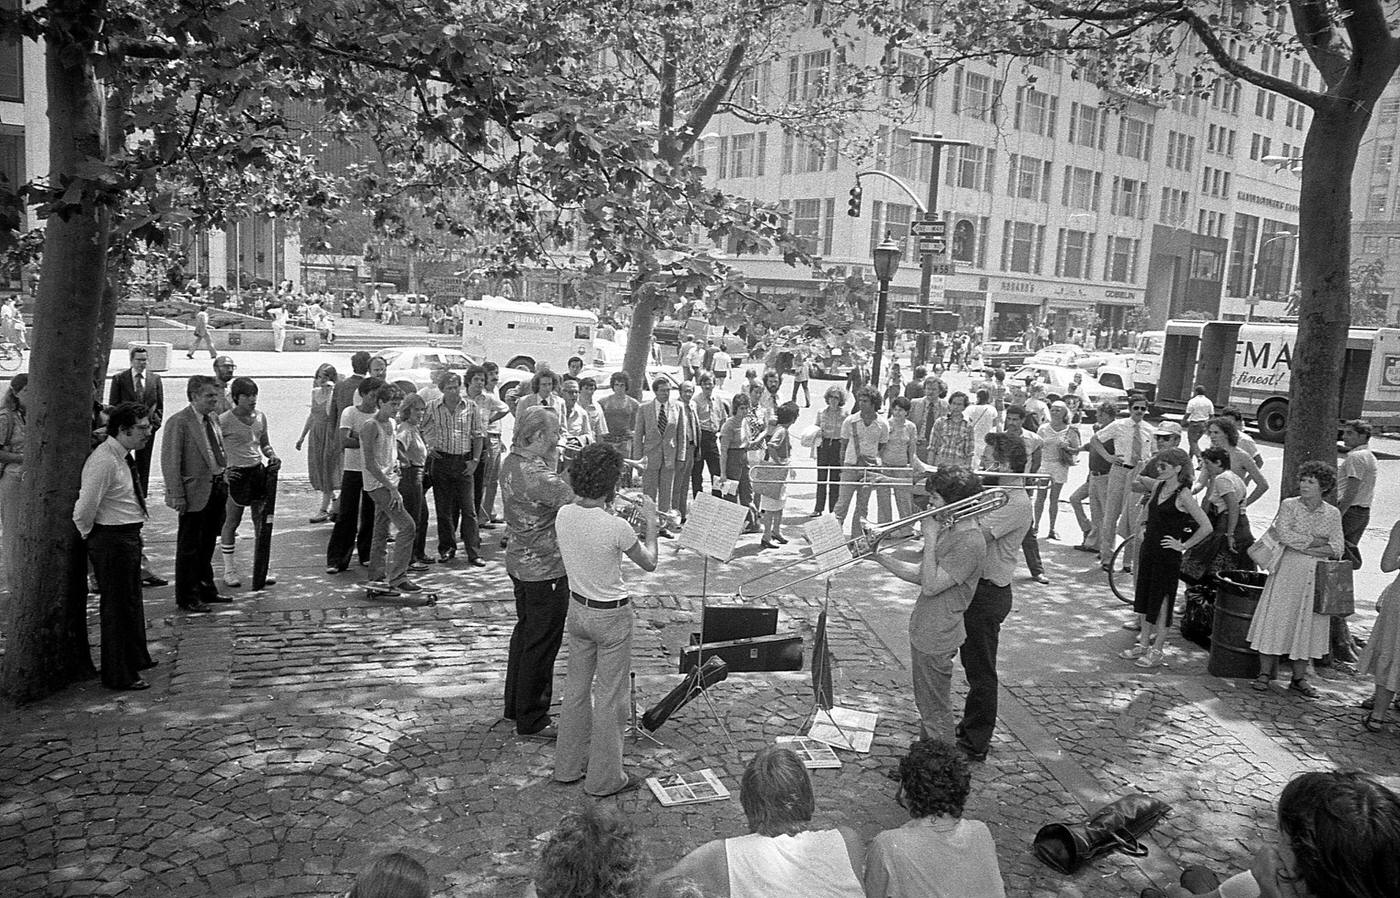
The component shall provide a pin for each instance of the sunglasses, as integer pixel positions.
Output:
(1139, 408)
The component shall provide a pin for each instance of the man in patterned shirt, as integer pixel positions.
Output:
(532, 494)
(456, 437)
(951, 442)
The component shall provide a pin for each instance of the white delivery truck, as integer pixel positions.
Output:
(1249, 365)
(526, 335)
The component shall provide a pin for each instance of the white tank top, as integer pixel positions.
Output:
(812, 864)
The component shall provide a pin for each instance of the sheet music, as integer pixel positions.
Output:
(712, 526)
(828, 541)
(845, 728)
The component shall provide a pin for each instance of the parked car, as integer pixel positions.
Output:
(418, 365)
(1003, 354)
(1057, 379)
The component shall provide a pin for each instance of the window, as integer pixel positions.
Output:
(975, 95)
(1175, 207)
(1389, 110)
(1134, 138)
(1373, 244)
(1120, 264)
(1028, 178)
(1075, 258)
(809, 75)
(1129, 198)
(1265, 104)
(802, 153)
(1242, 254)
(1206, 265)
(1036, 111)
(12, 172)
(1081, 189)
(964, 244)
(1260, 146)
(1022, 246)
(1180, 149)
(897, 152)
(1087, 125)
(752, 86)
(11, 61)
(893, 218)
(813, 221)
(1385, 155)
(905, 78)
(970, 167)
(746, 152)
(1378, 201)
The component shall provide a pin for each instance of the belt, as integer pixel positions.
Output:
(115, 527)
(1123, 464)
(590, 603)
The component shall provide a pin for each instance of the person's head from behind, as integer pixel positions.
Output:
(1106, 413)
(393, 875)
(776, 793)
(537, 429)
(934, 779)
(595, 471)
(1008, 452)
(1339, 838)
(952, 483)
(594, 852)
(366, 393)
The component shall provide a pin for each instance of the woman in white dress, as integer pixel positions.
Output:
(1061, 449)
(1284, 622)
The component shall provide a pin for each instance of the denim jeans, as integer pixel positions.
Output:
(596, 692)
(404, 527)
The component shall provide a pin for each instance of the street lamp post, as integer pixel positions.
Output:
(886, 264)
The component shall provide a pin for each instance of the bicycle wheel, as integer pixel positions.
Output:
(1124, 582)
(10, 356)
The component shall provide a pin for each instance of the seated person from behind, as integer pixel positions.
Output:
(780, 857)
(938, 853)
(594, 852)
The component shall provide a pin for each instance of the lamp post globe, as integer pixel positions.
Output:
(886, 259)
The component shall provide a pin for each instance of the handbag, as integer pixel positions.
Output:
(1333, 593)
(1202, 561)
(1267, 550)
(1117, 826)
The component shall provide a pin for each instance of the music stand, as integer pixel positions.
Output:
(634, 730)
(823, 695)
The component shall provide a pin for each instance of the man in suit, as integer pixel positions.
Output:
(659, 422)
(137, 384)
(193, 461)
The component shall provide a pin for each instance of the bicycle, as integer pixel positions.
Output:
(1122, 578)
(11, 356)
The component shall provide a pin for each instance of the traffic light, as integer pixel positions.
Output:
(853, 205)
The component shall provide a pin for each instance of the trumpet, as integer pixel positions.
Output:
(627, 504)
(868, 543)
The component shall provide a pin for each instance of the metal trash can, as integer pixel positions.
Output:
(1237, 595)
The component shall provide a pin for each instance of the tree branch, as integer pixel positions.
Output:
(705, 109)
(1367, 28)
(1319, 39)
(1233, 66)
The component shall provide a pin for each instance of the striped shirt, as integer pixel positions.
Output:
(452, 432)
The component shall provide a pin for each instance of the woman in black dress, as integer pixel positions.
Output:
(1171, 513)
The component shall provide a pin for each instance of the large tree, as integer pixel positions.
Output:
(1125, 44)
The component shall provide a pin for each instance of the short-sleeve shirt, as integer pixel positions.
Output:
(1361, 464)
(1225, 484)
(532, 494)
(592, 543)
(862, 440)
(936, 623)
(1004, 528)
(385, 452)
(1122, 432)
(353, 419)
(243, 442)
(490, 405)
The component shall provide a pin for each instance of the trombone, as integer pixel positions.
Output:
(868, 543)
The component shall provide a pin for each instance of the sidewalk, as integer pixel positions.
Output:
(293, 734)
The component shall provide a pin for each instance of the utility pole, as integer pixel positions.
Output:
(938, 142)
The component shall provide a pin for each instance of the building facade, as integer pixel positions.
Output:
(1069, 205)
(1375, 197)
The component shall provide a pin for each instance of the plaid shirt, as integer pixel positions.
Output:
(951, 441)
(452, 432)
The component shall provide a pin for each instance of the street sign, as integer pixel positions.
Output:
(936, 245)
(943, 268)
(926, 228)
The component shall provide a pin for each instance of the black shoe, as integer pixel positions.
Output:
(547, 733)
(197, 607)
(219, 598)
(134, 686)
(476, 562)
(153, 580)
(423, 559)
(487, 525)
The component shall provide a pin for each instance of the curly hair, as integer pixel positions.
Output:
(872, 394)
(411, 403)
(935, 778)
(953, 483)
(1343, 827)
(837, 392)
(787, 413)
(1217, 457)
(776, 792)
(1227, 427)
(394, 875)
(1009, 449)
(593, 853)
(1322, 472)
(595, 471)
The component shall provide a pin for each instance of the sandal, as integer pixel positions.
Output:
(1304, 688)
(1261, 683)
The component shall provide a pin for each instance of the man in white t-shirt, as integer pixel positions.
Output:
(592, 542)
(380, 463)
(689, 353)
(1199, 410)
(1132, 446)
(721, 364)
(1356, 482)
(354, 522)
(863, 439)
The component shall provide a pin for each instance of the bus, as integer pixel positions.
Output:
(527, 334)
(1248, 364)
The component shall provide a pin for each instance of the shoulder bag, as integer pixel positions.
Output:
(1267, 550)
(1333, 593)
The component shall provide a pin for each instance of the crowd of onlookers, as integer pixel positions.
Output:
(1338, 836)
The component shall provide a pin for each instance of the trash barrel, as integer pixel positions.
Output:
(1237, 595)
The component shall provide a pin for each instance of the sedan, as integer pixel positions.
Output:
(1003, 354)
(418, 365)
(1057, 379)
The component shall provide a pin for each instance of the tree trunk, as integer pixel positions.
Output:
(1324, 275)
(47, 620)
(119, 258)
(635, 360)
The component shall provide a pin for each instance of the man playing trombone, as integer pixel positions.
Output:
(947, 576)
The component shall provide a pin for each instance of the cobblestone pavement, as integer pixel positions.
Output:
(288, 737)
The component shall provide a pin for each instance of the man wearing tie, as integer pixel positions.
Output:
(137, 384)
(710, 413)
(687, 449)
(140, 385)
(193, 462)
(654, 441)
(1132, 445)
(109, 513)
